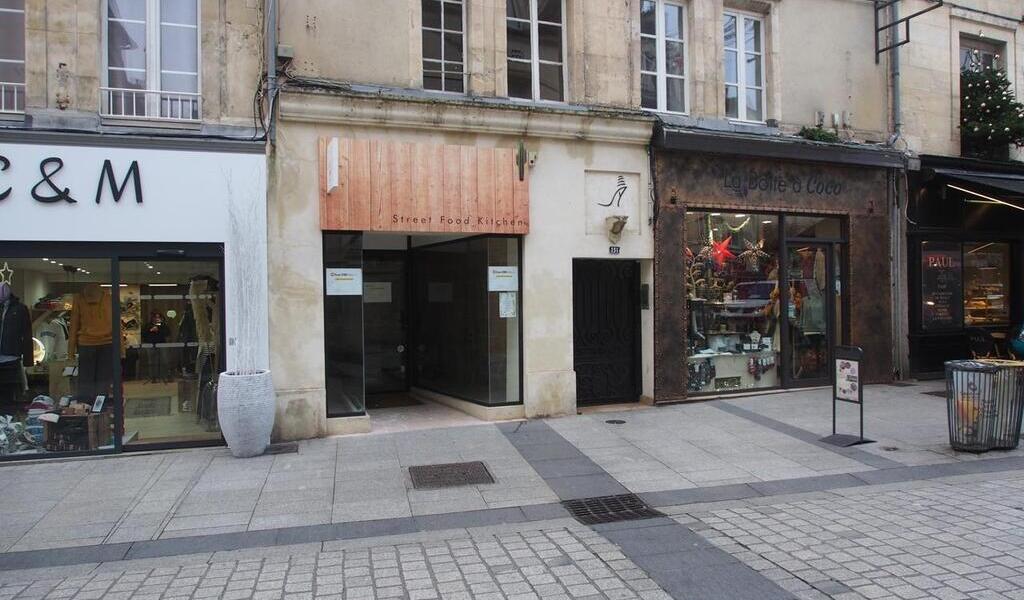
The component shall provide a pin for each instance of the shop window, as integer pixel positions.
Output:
(979, 55)
(732, 274)
(443, 45)
(830, 228)
(941, 286)
(343, 318)
(743, 64)
(986, 284)
(58, 356)
(12, 56)
(152, 60)
(663, 56)
(171, 350)
(535, 49)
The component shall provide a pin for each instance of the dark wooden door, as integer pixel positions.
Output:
(606, 330)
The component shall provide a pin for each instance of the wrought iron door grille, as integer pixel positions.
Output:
(426, 477)
(610, 509)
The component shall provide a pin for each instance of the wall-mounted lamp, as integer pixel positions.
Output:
(615, 224)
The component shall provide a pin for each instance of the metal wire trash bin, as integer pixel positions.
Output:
(985, 401)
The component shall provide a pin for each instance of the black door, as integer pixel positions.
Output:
(606, 330)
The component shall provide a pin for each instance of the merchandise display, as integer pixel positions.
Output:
(60, 354)
(732, 291)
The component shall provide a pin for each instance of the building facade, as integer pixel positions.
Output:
(131, 178)
(589, 152)
(962, 221)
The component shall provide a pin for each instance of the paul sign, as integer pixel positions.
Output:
(49, 191)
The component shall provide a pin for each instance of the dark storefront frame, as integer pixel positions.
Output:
(929, 195)
(116, 253)
(836, 335)
(411, 278)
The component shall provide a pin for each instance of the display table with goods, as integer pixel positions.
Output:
(729, 352)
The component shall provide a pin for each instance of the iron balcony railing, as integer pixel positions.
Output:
(123, 103)
(12, 97)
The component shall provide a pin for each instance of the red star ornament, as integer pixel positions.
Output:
(720, 251)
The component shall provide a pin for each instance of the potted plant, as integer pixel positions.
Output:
(246, 403)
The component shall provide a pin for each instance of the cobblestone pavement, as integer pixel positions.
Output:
(958, 539)
(561, 561)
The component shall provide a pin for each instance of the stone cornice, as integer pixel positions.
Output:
(469, 116)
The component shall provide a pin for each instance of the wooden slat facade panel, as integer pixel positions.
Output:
(396, 186)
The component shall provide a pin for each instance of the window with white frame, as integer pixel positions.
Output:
(535, 49)
(979, 55)
(443, 45)
(662, 56)
(744, 67)
(152, 60)
(12, 56)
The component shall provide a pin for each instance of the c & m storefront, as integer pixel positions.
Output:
(115, 274)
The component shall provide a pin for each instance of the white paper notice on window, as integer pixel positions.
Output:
(502, 279)
(344, 282)
(507, 305)
(377, 292)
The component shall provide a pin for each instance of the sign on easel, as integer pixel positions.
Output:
(847, 386)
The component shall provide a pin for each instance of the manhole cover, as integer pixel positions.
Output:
(615, 422)
(609, 509)
(282, 448)
(890, 448)
(426, 477)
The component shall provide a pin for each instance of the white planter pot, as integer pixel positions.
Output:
(245, 408)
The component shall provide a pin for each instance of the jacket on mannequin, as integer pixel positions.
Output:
(15, 327)
(91, 319)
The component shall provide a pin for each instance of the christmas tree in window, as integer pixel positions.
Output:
(990, 117)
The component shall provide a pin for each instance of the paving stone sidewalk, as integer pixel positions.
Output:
(561, 561)
(957, 539)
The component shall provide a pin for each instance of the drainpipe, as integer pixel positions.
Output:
(270, 51)
(895, 183)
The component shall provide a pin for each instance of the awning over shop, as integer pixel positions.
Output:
(999, 188)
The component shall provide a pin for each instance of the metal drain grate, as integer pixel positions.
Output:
(425, 477)
(609, 509)
(282, 448)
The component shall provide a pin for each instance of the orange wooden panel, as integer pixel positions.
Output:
(485, 186)
(395, 186)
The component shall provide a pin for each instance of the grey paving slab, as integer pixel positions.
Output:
(806, 484)
(698, 495)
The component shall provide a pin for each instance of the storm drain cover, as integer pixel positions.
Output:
(609, 509)
(425, 477)
(282, 448)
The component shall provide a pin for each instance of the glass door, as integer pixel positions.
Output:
(813, 293)
(385, 324)
(171, 350)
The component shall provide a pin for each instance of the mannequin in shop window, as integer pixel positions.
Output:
(90, 336)
(15, 347)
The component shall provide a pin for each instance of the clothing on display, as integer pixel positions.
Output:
(91, 319)
(95, 373)
(16, 351)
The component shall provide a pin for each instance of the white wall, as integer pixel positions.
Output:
(186, 198)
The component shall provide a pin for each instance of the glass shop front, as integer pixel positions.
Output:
(765, 299)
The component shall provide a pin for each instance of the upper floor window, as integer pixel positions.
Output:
(978, 55)
(152, 60)
(443, 46)
(744, 67)
(662, 56)
(12, 56)
(535, 49)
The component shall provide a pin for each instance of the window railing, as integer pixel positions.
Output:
(12, 98)
(124, 103)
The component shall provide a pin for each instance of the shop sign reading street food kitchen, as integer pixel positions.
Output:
(48, 189)
(376, 185)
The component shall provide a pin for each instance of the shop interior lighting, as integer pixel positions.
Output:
(162, 284)
(980, 248)
(739, 215)
(990, 199)
(767, 222)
